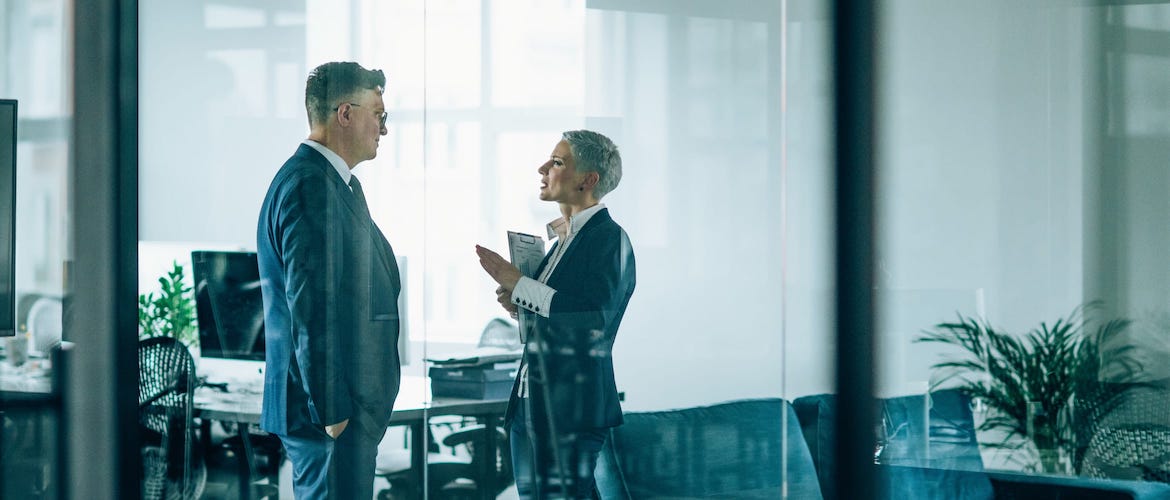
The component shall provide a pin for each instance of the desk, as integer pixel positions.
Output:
(411, 408)
(33, 377)
(29, 431)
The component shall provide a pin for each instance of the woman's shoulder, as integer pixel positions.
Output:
(605, 229)
(602, 223)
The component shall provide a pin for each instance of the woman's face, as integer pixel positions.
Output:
(558, 176)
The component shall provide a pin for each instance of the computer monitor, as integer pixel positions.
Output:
(229, 307)
(7, 217)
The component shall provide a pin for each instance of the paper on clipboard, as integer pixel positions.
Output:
(526, 252)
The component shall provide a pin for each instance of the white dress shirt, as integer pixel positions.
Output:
(335, 160)
(534, 294)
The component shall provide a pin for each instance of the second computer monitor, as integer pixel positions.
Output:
(229, 306)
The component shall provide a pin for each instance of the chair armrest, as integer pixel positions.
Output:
(469, 434)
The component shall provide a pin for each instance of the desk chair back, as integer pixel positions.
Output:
(452, 476)
(501, 333)
(44, 323)
(172, 467)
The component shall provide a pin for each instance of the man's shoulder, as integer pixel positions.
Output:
(303, 165)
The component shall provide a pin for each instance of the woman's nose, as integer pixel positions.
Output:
(543, 168)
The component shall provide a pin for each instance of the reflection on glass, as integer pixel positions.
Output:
(35, 55)
(1002, 176)
(474, 90)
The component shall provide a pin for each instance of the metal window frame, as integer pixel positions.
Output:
(99, 417)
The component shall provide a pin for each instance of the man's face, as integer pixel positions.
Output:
(366, 125)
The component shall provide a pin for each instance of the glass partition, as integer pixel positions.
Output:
(720, 114)
(1021, 214)
(37, 37)
(1020, 288)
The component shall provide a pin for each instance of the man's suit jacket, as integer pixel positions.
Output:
(330, 283)
(593, 281)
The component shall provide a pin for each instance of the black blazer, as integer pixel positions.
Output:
(593, 281)
(330, 283)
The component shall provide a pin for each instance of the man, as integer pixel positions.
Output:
(330, 284)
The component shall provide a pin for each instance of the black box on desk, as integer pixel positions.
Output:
(473, 382)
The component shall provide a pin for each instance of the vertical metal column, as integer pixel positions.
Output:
(854, 80)
(99, 416)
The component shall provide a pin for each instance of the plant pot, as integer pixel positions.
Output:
(1055, 461)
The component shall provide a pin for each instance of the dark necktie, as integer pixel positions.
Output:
(356, 186)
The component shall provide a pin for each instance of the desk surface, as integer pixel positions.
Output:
(33, 377)
(413, 402)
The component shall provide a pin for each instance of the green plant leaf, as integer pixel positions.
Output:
(1054, 366)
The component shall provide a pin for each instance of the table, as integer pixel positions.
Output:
(412, 407)
(33, 377)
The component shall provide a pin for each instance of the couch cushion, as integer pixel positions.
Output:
(816, 415)
(930, 483)
(1021, 486)
(737, 449)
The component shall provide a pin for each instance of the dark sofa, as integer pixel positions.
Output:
(929, 445)
(930, 451)
(768, 448)
(741, 449)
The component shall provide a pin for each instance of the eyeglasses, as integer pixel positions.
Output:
(381, 116)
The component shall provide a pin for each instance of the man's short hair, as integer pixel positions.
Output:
(334, 83)
(593, 152)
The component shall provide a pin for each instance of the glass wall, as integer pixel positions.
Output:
(720, 114)
(1022, 218)
(35, 38)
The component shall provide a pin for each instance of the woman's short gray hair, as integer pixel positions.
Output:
(593, 152)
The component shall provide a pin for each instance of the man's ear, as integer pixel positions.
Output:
(343, 114)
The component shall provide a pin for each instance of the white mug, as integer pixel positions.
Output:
(17, 349)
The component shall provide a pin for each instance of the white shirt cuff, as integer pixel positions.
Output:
(533, 296)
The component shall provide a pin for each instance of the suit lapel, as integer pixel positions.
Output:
(344, 193)
(363, 221)
(599, 218)
(544, 261)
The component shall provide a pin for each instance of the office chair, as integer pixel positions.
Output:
(172, 465)
(44, 323)
(451, 475)
(500, 332)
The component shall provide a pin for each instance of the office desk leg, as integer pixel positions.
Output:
(487, 470)
(247, 468)
(205, 436)
(418, 453)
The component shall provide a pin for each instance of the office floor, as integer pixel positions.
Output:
(223, 475)
(221, 485)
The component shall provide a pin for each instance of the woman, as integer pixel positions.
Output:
(565, 398)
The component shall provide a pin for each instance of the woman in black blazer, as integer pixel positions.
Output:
(565, 398)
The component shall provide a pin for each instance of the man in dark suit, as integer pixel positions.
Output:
(330, 285)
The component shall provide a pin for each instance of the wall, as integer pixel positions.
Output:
(983, 161)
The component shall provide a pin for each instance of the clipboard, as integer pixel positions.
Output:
(526, 252)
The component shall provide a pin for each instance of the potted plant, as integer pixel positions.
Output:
(1041, 388)
(171, 313)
